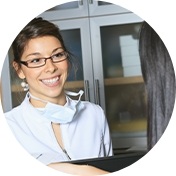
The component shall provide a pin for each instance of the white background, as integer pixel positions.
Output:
(15, 14)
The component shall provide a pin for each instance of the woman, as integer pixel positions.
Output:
(49, 124)
(159, 77)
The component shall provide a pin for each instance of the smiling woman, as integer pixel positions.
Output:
(48, 123)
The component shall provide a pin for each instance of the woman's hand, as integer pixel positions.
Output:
(83, 170)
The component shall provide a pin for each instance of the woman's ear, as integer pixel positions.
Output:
(18, 70)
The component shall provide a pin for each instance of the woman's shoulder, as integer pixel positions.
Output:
(92, 106)
(92, 114)
(93, 110)
(16, 111)
(13, 111)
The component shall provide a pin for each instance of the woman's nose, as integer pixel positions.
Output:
(50, 66)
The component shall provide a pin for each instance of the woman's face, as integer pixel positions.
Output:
(45, 82)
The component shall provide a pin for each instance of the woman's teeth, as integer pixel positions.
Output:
(50, 81)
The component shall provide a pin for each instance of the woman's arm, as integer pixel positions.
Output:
(83, 170)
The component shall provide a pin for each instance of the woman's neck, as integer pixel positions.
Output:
(40, 103)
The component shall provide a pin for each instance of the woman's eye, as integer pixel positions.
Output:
(35, 60)
(58, 55)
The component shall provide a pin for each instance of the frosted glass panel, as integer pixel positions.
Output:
(72, 40)
(126, 105)
(114, 51)
(17, 92)
(124, 88)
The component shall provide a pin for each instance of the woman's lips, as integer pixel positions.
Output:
(51, 81)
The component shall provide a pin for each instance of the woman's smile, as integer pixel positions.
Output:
(51, 82)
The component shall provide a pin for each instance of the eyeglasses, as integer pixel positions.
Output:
(39, 62)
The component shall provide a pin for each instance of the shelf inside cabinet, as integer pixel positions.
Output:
(123, 80)
(74, 84)
(108, 82)
(134, 125)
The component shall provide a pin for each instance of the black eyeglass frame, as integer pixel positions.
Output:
(46, 58)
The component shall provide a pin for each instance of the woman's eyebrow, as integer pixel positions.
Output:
(33, 54)
(37, 53)
(56, 49)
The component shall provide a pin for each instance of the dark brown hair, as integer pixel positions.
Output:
(159, 78)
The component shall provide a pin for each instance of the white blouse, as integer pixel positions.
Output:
(86, 136)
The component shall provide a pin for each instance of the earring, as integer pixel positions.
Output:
(24, 85)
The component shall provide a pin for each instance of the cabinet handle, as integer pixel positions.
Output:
(97, 96)
(80, 2)
(87, 96)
